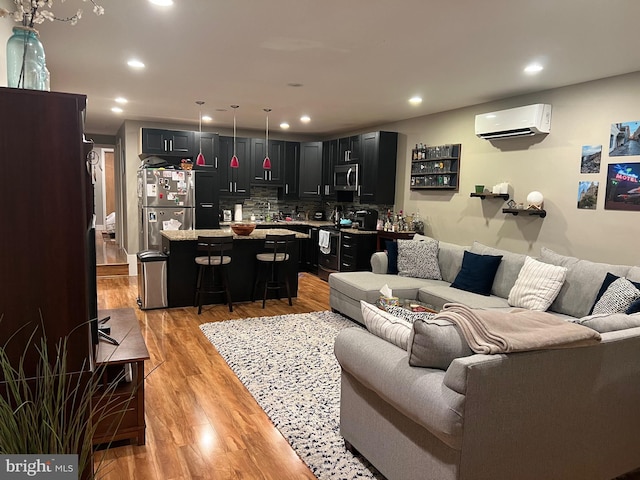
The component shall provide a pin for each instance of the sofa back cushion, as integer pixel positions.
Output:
(435, 343)
(584, 278)
(508, 270)
(450, 260)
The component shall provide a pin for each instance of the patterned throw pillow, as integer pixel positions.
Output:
(408, 315)
(418, 259)
(617, 298)
(537, 285)
(386, 326)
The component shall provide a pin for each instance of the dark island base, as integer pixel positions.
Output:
(182, 272)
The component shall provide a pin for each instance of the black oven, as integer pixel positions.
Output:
(329, 252)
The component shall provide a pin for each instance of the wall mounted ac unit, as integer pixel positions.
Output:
(514, 122)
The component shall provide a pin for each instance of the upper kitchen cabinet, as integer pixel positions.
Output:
(349, 149)
(273, 176)
(168, 142)
(209, 142)
(291, 165)
(311, 170)
(234, 182)
(378, 167)
(329, 160)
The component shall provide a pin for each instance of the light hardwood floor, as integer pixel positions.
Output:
(201, 421)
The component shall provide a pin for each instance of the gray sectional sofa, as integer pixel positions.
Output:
(546, 414)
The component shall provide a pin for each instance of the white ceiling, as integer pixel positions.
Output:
(358, 60)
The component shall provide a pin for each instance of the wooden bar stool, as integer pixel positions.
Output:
(276, 255)
(218, 256)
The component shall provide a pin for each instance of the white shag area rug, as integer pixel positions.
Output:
(287, 364)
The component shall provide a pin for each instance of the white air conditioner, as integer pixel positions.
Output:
(514, 122)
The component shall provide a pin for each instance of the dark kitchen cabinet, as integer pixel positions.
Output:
(206, 197)
(234, 182)
(210, 143)
(356, 250)
(349, 149)
(273, 176)
(329, 160)
(311, 170)
(168, 142)
(291, 165)
(378, 167)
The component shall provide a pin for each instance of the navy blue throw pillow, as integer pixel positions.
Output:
(634, 307)
(392, 255)
(608, 280)
(477, 273)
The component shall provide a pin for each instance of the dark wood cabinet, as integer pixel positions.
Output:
(234, 182)
(349, 149)
(47, 249)
(168, 142)
(291, 165)
(274, 175)
(329, 160)
(207, 204)
(210, 144)
(311, 170)
(378, 167)
(356, 250)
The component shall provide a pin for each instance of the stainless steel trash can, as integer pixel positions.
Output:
(152, 280)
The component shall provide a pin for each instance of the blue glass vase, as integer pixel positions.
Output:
(26, 66)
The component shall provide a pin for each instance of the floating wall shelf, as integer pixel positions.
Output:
(525, 211)
(504, 196)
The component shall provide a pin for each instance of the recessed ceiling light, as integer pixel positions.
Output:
(305, 119)
(116, 110)
(162, 3)
(415, 100)
(533, 68)
(133, 63)
(284, 125)
(121, 100)
(206, 118)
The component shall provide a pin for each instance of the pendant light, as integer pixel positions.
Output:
(266, 164)
(200, 158)
(234, 160)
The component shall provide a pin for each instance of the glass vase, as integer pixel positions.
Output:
(26, 67)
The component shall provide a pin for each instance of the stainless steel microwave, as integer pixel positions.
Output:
(346, 177)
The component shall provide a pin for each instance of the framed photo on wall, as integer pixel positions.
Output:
(623, 187)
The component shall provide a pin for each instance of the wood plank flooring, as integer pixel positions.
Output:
(110, 257)
(201, 421)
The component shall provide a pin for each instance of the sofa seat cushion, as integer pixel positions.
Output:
(418, 393)
(366, 285)
(439, 293)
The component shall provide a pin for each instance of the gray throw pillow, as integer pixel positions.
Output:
(436, 343)
(418, 259)
(604, 323)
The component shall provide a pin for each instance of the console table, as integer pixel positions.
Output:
(111, 360)
(382, 236)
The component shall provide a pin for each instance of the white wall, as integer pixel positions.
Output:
(582, 115)
(6, 28)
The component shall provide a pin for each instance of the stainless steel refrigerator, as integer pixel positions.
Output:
(165, 202)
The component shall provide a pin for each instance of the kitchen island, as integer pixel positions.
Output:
(182, 271)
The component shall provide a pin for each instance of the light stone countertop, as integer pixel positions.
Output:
(257, 234)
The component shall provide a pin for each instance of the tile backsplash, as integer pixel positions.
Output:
(265, 200)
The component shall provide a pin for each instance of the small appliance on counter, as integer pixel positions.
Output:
(366, 219)
(319, 215)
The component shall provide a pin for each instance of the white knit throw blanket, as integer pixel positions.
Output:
(515, 330)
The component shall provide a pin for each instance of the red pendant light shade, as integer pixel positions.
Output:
(200, 158)
(234, 160)
(266, 163)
